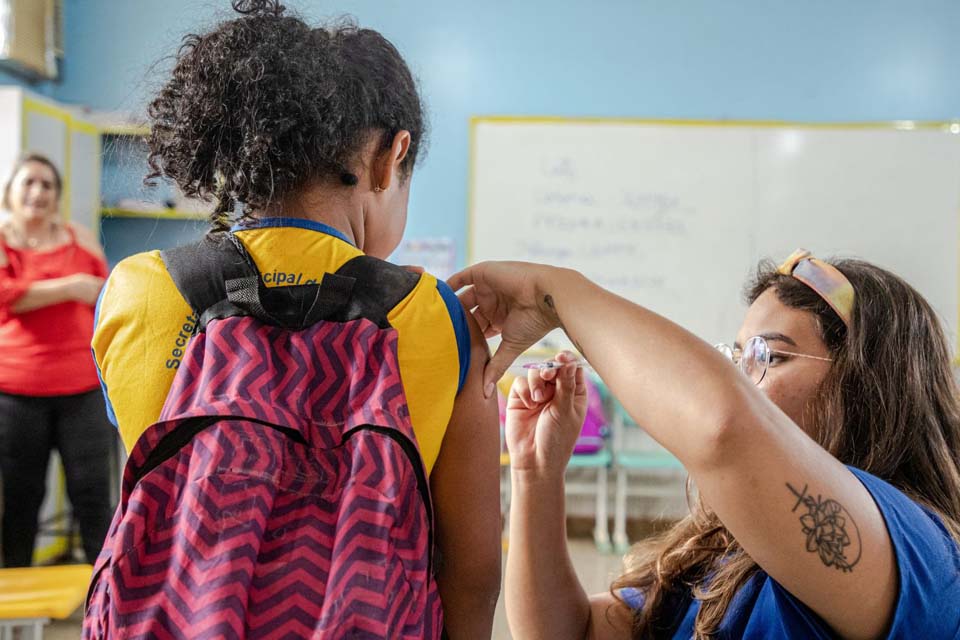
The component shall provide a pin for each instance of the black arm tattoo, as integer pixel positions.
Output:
(830, 530)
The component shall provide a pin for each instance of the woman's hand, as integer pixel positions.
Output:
(509, 299)
(544, 598)
(545, 412)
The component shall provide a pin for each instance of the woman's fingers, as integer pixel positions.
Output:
(520, 395)
(482, 320)
(463, 278)
(468, 298)
(506, 354)
(549, 374)
(542, 383)
(566, 387)
(540, 389)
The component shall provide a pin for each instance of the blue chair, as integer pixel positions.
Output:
(600, 463)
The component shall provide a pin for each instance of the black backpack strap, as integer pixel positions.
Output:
(292, 307)
(171, 444)
(381, 287)
(201, 270)
(218, 279)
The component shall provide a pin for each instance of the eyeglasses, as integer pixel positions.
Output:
(755, 357)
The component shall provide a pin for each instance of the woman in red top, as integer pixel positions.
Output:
(51, 273)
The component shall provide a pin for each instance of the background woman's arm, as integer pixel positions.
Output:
(44, 293)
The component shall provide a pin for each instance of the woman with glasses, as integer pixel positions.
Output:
(828, 466)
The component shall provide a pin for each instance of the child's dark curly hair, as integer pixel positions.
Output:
(264, 103)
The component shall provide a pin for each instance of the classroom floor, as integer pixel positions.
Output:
(596, 570)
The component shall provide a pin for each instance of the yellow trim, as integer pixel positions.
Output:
(169, 214)
(898, 125)
(84, 127)
(32, 104)
(952, 127)
(124, 130)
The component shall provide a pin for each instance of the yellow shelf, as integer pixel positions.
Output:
(124, 130)
(167, 214)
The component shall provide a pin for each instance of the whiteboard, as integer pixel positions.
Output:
(675, 216)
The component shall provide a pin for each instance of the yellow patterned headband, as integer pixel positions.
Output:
(824, 278)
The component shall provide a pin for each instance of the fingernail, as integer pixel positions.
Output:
(488, 390)
(538, 396)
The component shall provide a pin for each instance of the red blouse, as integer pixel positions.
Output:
(46, 351)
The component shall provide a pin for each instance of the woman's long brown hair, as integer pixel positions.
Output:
(888, 406)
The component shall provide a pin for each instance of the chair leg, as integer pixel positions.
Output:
(33, 631)
(23, 629)
(620, 541)
(601, 531)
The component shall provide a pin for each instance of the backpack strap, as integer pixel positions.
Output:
(218, 279)
(200, 270)
(381, 286)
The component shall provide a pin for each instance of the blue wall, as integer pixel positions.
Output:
(752, 59)
(125, 236)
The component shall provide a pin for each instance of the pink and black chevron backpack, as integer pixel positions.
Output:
(281, 494)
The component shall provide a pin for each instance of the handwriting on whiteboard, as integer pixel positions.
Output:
(632, 212)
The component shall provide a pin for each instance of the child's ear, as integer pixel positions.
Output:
(389, 163)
